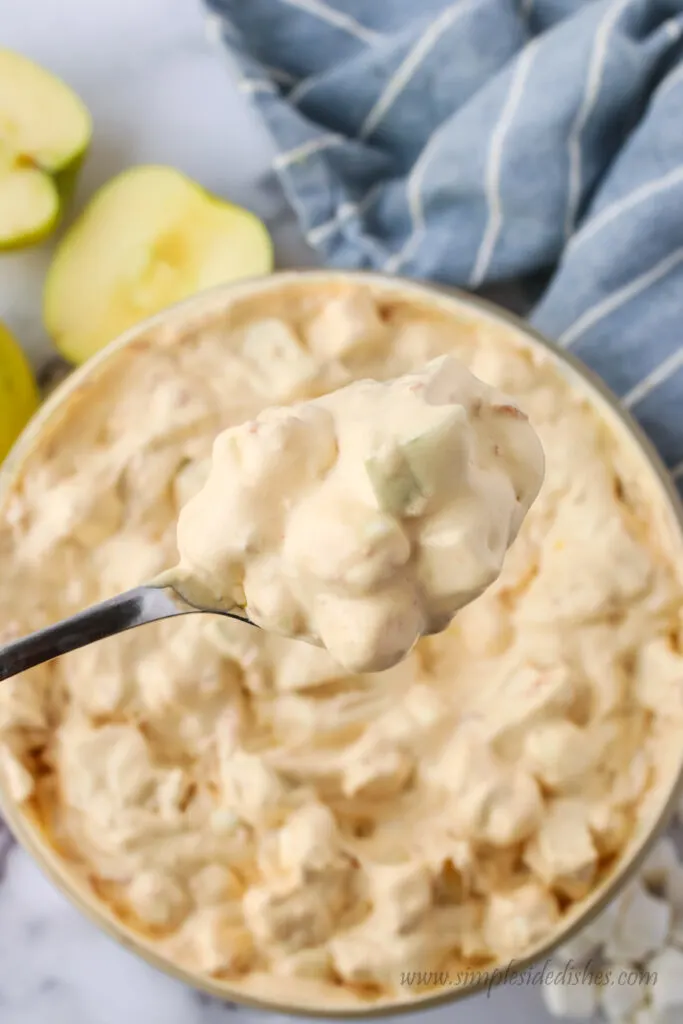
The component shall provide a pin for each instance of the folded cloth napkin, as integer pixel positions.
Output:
(482, 140)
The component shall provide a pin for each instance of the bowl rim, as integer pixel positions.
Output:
(204, 305)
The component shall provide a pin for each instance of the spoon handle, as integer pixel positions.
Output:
(132, 608)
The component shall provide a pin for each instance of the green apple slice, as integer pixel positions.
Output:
(405, 476)
(149, 238)
(44, 132)
(396, 488)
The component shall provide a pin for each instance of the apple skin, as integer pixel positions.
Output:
(19, 397)
(64, 181)
(66, 178)
(41, 232)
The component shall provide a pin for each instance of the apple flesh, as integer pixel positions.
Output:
(44, 132)
(18, 392)
(149, 238)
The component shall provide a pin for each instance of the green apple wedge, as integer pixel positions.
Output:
(45, 131)
(150, 237)
(18, 391)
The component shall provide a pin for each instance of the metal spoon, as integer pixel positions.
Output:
(164, 598)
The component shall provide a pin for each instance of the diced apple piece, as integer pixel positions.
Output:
(450, 565)
(405, 476)
(526, 697)
(18, 391)
(277, 361)
(562, 852)
(149, 238)
(44, 132)
(516, 919)
(396, 489)
(437, 452)
(345, 325)
(454, 561)
(559, 753)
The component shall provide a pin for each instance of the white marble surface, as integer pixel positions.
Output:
(159, 92)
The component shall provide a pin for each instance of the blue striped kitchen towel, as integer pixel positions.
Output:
(482, 140)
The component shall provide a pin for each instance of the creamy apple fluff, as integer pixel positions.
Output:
(364, 519)
(239, 804)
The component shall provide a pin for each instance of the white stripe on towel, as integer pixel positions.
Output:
(620, 297)
(332, 16)
(346, 210)
(251, 86)
(659, 375)
(414, 197)
(628, 202)
(493, 166)
(278, 75)
(409, 66)
(300, 91)
(674, 78)
(596, 67)
(673, 29)
(306, 149)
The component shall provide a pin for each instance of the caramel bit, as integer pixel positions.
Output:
(364, 828)
(619, 489)
(674, 641)
(510, 410)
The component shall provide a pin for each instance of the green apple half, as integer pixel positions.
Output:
(44, 132)
(149, 238)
